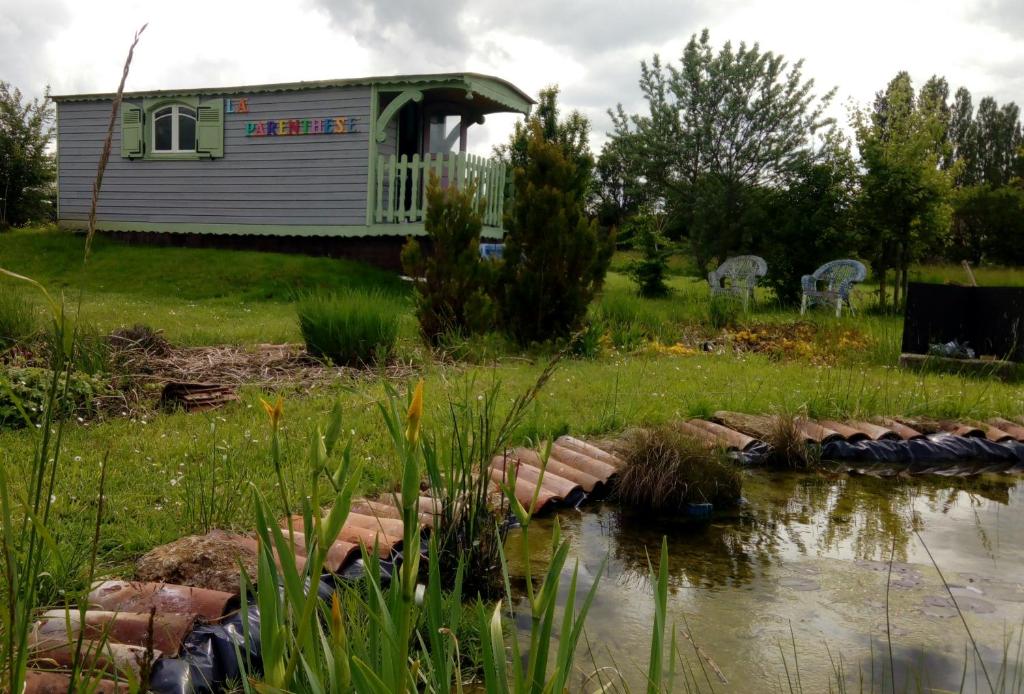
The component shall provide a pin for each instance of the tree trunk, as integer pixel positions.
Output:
(881, 290)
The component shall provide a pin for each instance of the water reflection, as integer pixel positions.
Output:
(811, 554)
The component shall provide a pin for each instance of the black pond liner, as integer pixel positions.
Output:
(927, 452)
(209, 658)
(935, 449)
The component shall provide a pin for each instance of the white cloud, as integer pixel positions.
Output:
(591, 48)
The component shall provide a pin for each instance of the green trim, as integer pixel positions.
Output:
(483, 84)
(151, 105)
(339, 230)
(501, 92)
(371, 167)
(381, 123)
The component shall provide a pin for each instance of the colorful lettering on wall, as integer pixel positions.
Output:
(236, 105)
(301, 126)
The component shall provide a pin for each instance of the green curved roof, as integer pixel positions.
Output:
(494, 88)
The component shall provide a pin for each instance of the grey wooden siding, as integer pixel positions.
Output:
(291, 180)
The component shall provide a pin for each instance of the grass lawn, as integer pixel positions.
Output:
(196, 296)
(160, 461)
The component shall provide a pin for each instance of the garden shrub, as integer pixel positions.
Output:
(353, 328)
(29, 387)
(666, 469)
(553, 259)
(649, 272)
(18, 318)
(453, 291)
(810, 223)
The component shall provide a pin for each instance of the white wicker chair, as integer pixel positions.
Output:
(737, 277)
(838, 278)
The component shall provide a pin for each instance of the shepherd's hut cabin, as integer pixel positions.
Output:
(337, 166)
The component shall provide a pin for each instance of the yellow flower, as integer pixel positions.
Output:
(273, 411)
(412, 426)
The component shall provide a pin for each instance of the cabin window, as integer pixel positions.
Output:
(174, 129)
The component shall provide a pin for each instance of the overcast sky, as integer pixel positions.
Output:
(591, 48)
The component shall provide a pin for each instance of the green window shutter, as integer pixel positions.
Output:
(210, 128)
(131, 131)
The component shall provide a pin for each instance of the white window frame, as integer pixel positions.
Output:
(175, 115)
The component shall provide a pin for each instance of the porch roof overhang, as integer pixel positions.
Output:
(490, 94)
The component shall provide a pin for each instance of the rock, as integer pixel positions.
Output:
(200, 561)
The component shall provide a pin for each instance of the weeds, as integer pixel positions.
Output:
(354, 328)
(19, 319)
(209, 483)
(723, 311)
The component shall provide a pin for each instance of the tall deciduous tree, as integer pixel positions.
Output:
(904, 208)
(812, 218)
(26, 166)
(963, 138)
(721, 125)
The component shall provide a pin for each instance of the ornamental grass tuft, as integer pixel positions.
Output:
(354, 328)
(666, 469)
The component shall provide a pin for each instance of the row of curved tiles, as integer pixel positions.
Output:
(129, 622)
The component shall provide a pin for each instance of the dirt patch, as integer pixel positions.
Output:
(200, 561)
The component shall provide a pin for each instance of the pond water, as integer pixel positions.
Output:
(798, 573)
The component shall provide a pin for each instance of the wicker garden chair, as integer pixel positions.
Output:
(737, 277)
(837, 278)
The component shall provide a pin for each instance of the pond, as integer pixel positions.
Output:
(795, 580)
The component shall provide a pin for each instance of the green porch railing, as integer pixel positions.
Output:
(401, 182)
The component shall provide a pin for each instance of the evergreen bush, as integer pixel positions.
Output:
(553, 258)
(649, 272)
(454, 284)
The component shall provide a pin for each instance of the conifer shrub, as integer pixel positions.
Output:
(453, 283)
(353, 328)
(553, 253)
(649, 271)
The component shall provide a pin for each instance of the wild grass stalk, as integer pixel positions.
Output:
(458, 473)
(529, 672)
(19, 319)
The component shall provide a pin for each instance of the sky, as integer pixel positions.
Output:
(592, 49)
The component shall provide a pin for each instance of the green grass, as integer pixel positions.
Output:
(196, 296)
(214, 296)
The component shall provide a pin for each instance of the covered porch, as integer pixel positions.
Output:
(420, 128)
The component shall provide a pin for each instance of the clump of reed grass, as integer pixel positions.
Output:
(19, 319)
(723, 311)
(354, 328)
(788, 449)
(667, 468)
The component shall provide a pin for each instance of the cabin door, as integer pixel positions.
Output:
(410, 143)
